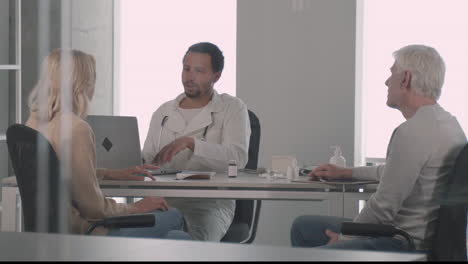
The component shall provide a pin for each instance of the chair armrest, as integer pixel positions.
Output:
(362, 229)
(126, 221)
(374, 230)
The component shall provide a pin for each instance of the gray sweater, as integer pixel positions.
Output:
(420, 155)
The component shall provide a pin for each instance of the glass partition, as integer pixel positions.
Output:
(8, 34)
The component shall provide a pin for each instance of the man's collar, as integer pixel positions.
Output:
(215, 105)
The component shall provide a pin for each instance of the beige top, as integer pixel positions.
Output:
(88, 202)
(420, 156)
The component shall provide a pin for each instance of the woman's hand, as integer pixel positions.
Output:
(135, 173)
(149, 204)
(332, 235)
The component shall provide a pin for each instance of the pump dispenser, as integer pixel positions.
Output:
(338, 159)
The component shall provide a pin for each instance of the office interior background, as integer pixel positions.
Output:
(312, 70)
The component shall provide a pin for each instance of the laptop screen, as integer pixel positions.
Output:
(117, 141)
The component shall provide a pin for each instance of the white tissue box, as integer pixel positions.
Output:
(281, 163)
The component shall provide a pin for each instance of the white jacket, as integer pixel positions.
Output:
(227, 138)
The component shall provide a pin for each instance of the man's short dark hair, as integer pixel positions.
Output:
(217, 58)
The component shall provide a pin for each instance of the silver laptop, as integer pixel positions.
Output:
(117, 141)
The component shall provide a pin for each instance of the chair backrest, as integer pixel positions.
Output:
(244, 225)
(254, 142)
(35, 164)
(449, 241)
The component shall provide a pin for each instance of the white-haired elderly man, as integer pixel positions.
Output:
(420, 155)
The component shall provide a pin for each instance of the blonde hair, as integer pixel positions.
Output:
(64, 69)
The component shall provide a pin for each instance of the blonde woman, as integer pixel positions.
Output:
(71, 74)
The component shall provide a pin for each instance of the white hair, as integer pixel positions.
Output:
(426, 66)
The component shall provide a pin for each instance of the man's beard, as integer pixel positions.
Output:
(194, 95)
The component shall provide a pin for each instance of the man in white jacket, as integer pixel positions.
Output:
(200, 130)
(420, 156)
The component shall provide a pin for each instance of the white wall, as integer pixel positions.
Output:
(153, 38)
(86, 25)
(92, 32)
(296, 71)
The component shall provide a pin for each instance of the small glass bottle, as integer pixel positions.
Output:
(338, 159)
(232, 169)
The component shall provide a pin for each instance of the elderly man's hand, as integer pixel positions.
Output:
(330, 172)
(148, 204)
(169, 151)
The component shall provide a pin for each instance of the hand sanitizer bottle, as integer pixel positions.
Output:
(290, 173)
(338, 159)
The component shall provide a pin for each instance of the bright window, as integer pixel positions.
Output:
(391, 24)
(153, 38)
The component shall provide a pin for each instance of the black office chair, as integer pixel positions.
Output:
(35, 162)
(244, 226)
(449, 241)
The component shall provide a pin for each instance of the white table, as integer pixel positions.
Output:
(16, 246)
(245, 186)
